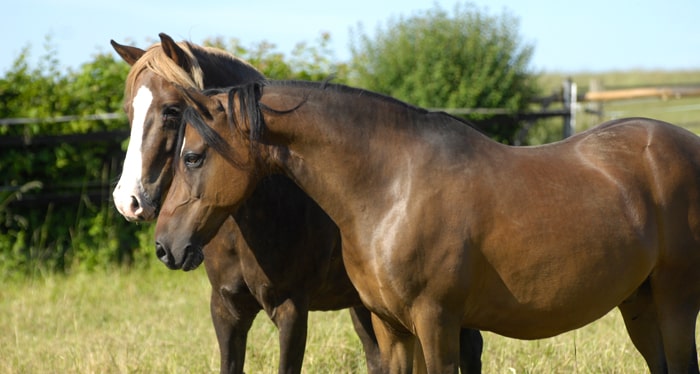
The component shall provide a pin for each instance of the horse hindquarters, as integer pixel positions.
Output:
(674, 167)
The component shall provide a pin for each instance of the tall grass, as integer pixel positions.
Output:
(157, 321)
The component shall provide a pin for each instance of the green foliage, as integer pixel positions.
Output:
(436, 59)
(59, 234)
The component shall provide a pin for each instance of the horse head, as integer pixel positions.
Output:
(215, 170)
(154, 107)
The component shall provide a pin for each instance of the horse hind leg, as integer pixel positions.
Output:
(679, 343)
(677, 310)
(641, 321)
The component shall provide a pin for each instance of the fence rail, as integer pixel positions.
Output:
(60, 119)
(42, 140)
(637, 93)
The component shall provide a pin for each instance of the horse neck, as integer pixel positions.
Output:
(347, 151)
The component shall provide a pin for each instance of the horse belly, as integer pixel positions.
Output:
(540, 291)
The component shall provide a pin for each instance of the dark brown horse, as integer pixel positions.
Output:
(444, 228)
(257, 260)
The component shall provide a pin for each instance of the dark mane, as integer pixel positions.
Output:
(249, 96)
(344, 89)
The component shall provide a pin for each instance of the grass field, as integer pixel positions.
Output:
(157, 321)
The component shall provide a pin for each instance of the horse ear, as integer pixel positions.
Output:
(127, 53)
(175, 52)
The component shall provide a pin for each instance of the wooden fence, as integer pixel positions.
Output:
(69, 190)
(567, 103)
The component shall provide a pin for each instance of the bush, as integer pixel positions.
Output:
(55, 208)
(436, 59)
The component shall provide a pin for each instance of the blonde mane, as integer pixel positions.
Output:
(155, 60)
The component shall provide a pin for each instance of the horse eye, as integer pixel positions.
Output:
(193, 160)
(171, 117)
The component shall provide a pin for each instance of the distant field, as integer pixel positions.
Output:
(683, 112)
(157, 321)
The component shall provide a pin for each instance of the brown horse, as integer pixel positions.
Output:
(443, 227)
(257, 260)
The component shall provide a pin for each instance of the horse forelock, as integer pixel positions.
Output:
(156, 61)
(192, 117)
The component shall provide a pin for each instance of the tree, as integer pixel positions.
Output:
(312, 62)
(436, 59)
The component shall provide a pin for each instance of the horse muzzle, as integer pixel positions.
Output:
(133, 205)
(189, 258)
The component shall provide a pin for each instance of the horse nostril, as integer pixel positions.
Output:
(164, 255)
(134, 203)
(160, 250)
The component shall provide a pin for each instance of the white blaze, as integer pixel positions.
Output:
(182, 149)
(130, 182)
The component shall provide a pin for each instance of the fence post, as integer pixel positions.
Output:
(569, 95)
(596, 86)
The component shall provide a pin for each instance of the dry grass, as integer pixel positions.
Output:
(157, 321)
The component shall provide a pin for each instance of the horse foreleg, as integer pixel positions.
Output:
(439, 336)
(419, 366)
(292, 322)
(232, 316)
(396, 347)
(362, 322)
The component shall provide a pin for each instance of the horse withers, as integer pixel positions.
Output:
(444, 228)
(247, 258)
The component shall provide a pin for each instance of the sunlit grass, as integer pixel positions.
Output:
(157, 321)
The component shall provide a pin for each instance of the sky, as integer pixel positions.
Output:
(567, 36)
